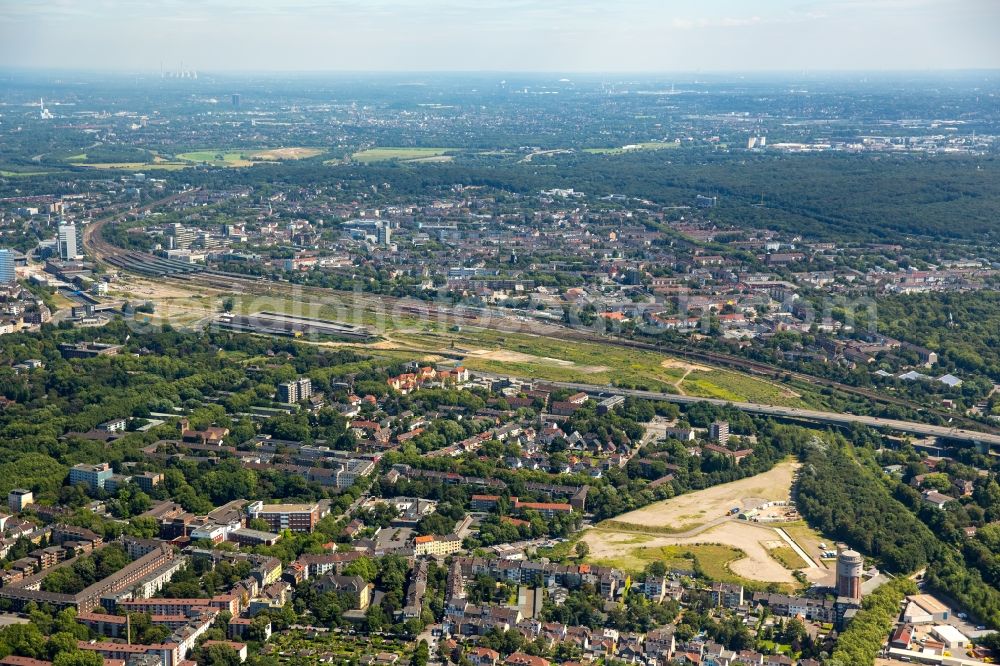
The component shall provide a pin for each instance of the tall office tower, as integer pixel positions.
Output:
(67, 242)
(7, 274)
(384, 234)
(236, 100)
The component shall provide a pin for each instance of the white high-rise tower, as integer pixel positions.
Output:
(67, 242)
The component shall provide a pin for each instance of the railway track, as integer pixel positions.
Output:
(776, 372)
(487, 318)
(503, 322)
(93, 238)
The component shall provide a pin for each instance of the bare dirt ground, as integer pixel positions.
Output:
(674, 363)
(703, 517)
(751, 538)
(137, 287)
(698, 508)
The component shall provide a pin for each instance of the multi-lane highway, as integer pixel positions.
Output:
(796, 413)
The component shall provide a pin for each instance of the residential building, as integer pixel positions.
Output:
(484, 502)
(936, 499)
(355, 586)
(522, 659)
(114, 425)
(718, 432)
(727, 595)
(19, 498)
(293, 392)
(547, 509)
(483, 656)
(180, 606)
(27, 590)
(147, 480)
(92, 476)
(294, 517)
(436, 545)
(180, 237)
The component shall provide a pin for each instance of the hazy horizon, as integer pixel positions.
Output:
(493, 36)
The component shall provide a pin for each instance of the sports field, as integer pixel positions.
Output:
(402, 155)
(247, 157)
(633, 148)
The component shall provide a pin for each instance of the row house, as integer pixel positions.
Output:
(317, 565)
(605, 579)
(660, 643)
(818, 610)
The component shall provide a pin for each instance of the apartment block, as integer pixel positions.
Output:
(92, 476)
(294, 517)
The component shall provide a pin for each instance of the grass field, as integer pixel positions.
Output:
(698, 520)
(713, 559)
(542, 357)
(278, 154)
(402, 155)
(229, 158)
(61, 301)
(22, 174)
(153, 162)
(787, 556)
(247, 157)
(134, 166)
(808, 539)
(526, 354)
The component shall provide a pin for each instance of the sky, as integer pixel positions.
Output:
(500, 35)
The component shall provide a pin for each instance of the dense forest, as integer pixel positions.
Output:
(841, 498)
(962, 327)
(862, 197)
(843, 493)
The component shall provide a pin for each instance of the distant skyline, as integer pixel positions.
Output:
(500, 35)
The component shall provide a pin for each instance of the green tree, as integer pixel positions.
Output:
(421, 654)
(78, 658)
(364, 567)
(218, 655)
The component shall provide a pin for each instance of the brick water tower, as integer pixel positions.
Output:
(850, 564)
